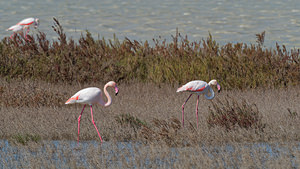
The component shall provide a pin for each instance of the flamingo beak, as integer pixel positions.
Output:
(219, 87)
(116, 90)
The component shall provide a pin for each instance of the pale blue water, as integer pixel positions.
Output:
(226, 20)
(116, 151)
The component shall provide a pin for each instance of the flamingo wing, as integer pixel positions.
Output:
(27, 21)
(193, 86)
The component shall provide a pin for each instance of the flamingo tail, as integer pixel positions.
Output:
(72, 100)
(180, 89)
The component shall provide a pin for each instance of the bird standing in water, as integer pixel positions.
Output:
(198, 87)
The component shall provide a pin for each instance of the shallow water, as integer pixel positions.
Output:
(112, 153)
(226, 20)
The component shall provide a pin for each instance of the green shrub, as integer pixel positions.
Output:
(25, 139)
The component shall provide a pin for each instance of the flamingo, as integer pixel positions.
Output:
(15, 29)
(28, 22)
(92, 95)
(198, 87)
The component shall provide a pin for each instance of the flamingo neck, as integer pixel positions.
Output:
(212, 94)
(108, 103)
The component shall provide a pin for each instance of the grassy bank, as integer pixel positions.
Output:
(98, 60)
(33, 114)
(149, 114)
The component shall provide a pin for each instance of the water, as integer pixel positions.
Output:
(227, 20)
(58, 154)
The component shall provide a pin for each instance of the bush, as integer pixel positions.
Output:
(89, 60)
(232, 114)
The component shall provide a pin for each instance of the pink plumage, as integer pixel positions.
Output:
(24, 24)
(92, 95)
(29, 21)
(15, 29)
(193, 86)
(198, 87)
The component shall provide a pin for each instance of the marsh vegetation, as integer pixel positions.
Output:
(259, 102)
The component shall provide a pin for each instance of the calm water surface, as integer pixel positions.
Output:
(226, 20)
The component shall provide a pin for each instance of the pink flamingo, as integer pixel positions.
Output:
(198, 87)
(15, 29)
(28, 22)
(92, 95)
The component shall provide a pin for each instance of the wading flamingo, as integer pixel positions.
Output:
(92, 95)
(198, 87)
(15, 29)
(29, 22)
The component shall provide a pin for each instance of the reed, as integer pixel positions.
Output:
(87, 60)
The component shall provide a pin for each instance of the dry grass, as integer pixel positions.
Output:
(33, 112)
(143, 112)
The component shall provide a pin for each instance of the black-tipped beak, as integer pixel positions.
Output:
(219, 87)
(116, 90)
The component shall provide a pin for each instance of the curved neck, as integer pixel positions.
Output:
(108, 103)
(212, 93)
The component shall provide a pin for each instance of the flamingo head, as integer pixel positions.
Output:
(36, 22)
(214, 82)
(114, 85)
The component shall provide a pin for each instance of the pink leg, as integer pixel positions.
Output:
(11, 36)
(95, 124)
(79, 123)
(26, 34)
(183, 110)
(197, 110)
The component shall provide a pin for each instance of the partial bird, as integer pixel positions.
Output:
(29, 22)
(92, 95)
(15, 29)
(198, 87)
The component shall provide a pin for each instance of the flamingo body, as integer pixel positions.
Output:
(92, 95)
(198, 87)
(29, 21)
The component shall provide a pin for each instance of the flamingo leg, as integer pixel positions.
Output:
(26, 34)
(95, 124)
(79, 123)
(197, 110)
(183, 109)
(11, 36)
